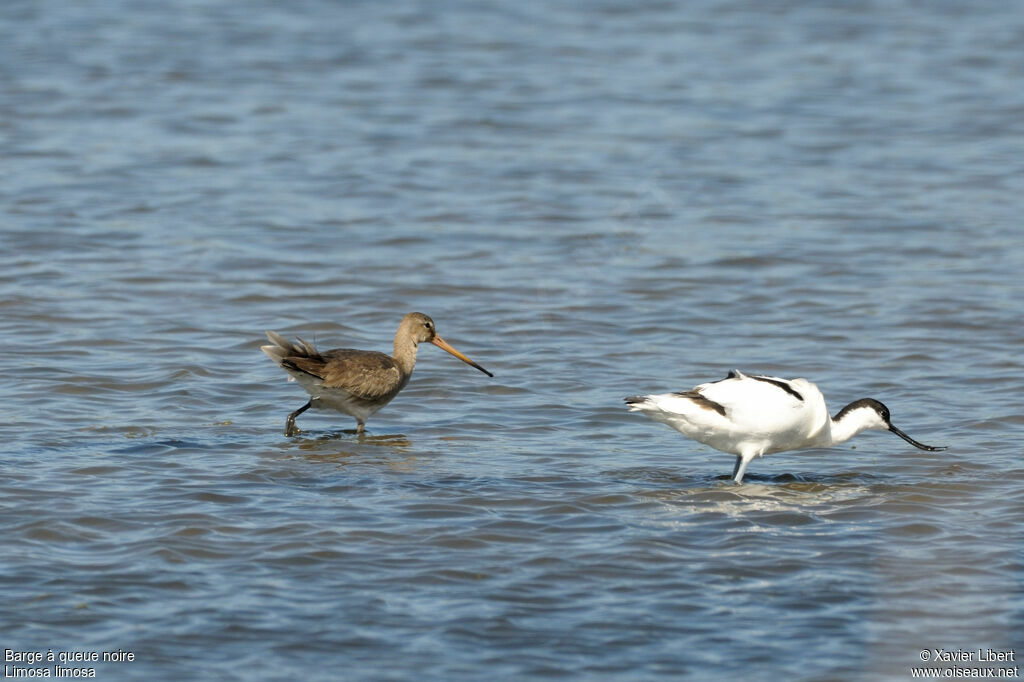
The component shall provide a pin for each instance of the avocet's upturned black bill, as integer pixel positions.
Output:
(751, 416)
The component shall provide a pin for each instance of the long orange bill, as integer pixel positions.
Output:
(444, 345)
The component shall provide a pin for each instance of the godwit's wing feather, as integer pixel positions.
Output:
(365, 375)
(282, 348)
(280, 341)
(368, 375)
(306, 347)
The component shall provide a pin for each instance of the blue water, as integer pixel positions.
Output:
(592, 201)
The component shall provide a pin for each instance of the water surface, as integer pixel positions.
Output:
(591, 201)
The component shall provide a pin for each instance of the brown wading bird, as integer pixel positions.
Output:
(356, 382)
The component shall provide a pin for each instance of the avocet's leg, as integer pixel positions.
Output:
(741, 467)
(289, 425)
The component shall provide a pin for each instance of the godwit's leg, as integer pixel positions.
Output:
(359, 427)
(289, 425)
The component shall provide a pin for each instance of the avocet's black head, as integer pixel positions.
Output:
(886, 422)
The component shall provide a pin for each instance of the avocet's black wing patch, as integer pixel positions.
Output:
(784, 385)
(703, 402)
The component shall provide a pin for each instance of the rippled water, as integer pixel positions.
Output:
(592, 200)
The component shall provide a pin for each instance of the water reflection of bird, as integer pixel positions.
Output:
(356, 382)
(752, 416)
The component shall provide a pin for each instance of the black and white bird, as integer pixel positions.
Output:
(751, 416)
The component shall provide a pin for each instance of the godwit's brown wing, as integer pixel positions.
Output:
(365, 374)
